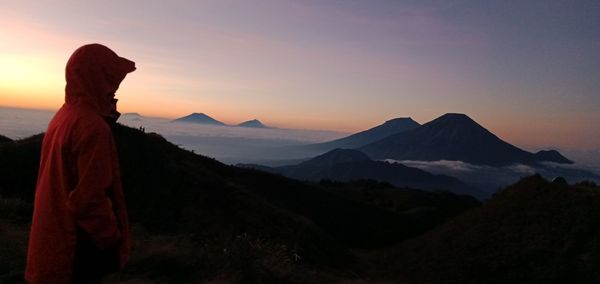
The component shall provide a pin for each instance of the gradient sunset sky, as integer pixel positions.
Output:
(529, 71)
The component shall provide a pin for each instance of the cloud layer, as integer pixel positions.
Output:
(490, 178)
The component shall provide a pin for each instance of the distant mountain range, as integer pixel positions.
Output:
(390, 127)
(255, 123)
(455, 137)
(199, 118)
(351, 165)
(451, 137)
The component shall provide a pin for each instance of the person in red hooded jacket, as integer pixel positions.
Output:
(80, 230)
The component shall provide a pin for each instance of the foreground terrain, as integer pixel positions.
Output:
(199, 221)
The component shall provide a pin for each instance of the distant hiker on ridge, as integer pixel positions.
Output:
(80, 230)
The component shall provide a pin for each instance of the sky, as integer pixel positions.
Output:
(526, 70)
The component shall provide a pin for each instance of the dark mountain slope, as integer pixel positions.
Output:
(166, 186)
(197, 219)
(334, 157)
(452, 137)
(532, 232)
(18, 167)
(199, 118)
(297, 197)
(431, 206)
(172, 191)
(4, 139)
(551, 156)
(379, 132)
(350, 165)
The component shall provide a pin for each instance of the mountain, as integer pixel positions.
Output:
(551, 156)
(255, 123)
(334, 157)
(196, 219)
(356, 140)
(534, 231)
(131, 114)
(454, 137)
(199, 118)
(350, 165)
(4, 139)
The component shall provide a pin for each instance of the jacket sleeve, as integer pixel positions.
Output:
(89, 202)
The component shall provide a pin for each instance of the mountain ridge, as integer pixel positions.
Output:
(370, 135)
(454, 137)
(347, 165)
(4, 139)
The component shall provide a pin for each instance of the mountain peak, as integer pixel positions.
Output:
(455, 114)
(254, 123)
(452, 136)
(458, 122)
(390, 127)
(400, 120)
(455, 117)
(199, 118)
(131, 114)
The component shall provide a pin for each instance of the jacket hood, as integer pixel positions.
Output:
(93, 74)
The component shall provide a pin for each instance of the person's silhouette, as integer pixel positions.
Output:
(80, 230)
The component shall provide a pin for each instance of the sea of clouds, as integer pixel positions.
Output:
(490, 179)
(229, 144)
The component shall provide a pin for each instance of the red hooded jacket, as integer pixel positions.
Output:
(79, 186)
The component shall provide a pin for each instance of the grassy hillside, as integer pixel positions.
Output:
(532, 232)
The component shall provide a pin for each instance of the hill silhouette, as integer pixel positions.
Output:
(334, 157)
(551, 156)
(254, 123)
(199, 118)
(454, 137)
(351, 165)
(4, 139)
(189, 209)
(535, 231)
(371, 135)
